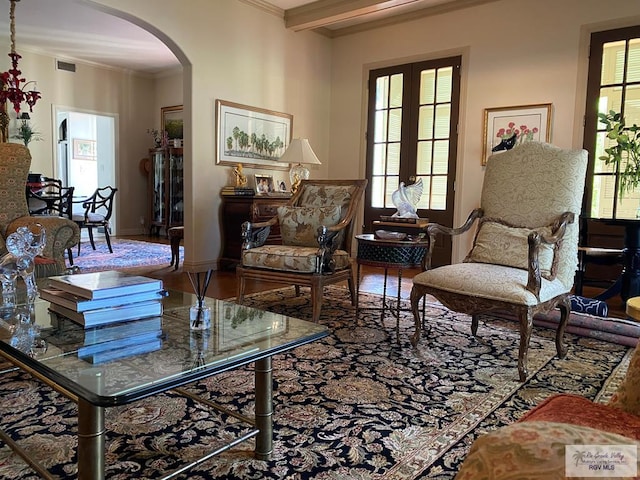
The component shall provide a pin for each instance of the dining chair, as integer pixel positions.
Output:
(98, 209)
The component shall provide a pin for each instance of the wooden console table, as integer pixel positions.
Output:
(237, 209)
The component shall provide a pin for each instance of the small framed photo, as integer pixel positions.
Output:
(264, 184)
(506, 127)
(280, 185)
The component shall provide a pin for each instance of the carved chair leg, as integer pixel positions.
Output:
(316, 299)
(241, 282)
(474, 325)
(351, 282)
(526, 325)
(417, 293)
(565, 310)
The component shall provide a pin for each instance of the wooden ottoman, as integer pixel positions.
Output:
(175, 234)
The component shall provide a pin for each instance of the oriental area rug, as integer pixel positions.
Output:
(354, 405)
(126, 254)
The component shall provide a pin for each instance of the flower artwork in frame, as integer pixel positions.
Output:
(264, 184)
(84, 149)
(506, 127)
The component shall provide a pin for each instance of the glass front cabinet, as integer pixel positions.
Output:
(166, 194)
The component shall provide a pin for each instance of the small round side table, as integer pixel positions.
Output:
(633, 308)
(388, 253)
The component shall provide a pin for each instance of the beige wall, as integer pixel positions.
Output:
(515, 52)
(239, 53)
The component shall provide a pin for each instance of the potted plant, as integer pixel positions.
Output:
(624, 154)
(26, 133)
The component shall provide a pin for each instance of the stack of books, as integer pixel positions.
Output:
(120, 313)
(101, 298)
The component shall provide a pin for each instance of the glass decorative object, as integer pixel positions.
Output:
(200, 313)
(23, 246)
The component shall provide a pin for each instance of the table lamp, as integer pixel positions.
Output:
(299, 153)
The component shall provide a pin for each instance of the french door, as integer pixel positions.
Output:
(411, 135)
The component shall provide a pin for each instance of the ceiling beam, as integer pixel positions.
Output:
(325, 12)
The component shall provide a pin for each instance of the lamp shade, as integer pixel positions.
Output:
(298, 153)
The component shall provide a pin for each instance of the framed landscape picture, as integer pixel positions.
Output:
(172, 121)
(252, 136)
(506, 127)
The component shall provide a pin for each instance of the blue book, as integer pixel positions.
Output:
(123, 352)
(103, 316)
(132, 340)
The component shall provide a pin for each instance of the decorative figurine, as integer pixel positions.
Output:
(241, 179)
(406, 199)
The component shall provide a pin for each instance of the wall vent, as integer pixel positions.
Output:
(66, 66)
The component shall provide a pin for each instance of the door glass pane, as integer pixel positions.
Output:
(380, 127)
(393, 159)
(382, 93)
(424, 199)
(423, 166)
(392, 186)
(425, 123)
(445, 84)
(443, 117)
(601, 142)
(377, 192)
(633, 62)
(379, 158)
(395, 125)
(427, 86)
(612, 63)
(438, 198)
(610, 99)
(396, 91)
(632, 105)
(441, 157)
(603, 196)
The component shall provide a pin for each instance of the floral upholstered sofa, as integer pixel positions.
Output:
(534, 447)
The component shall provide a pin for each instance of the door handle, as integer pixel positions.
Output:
(412, 178)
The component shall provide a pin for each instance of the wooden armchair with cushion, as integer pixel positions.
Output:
(61, 233)
(317, 229)
(524, 255)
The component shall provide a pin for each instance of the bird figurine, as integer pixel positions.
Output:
(406, 199)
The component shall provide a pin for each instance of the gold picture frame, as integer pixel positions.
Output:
(172, 122)
(505, 127)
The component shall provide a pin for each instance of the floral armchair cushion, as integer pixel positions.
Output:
(299, 225)
(502, 244)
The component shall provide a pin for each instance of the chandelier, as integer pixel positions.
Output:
(12, 88)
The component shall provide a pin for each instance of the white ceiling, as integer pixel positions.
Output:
(72, 31)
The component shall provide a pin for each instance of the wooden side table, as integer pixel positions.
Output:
(398, 254)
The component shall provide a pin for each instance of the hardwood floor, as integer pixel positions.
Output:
(223, 283)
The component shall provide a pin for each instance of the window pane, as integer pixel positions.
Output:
(425, 123)
(438, 198)
(599, 165)
(393, 159)
(612, 63)
(610, 99)
(445, 84)
(379, 158)
(395, 125)
(427, 86)
(392, 186)
(443, 118)
(380, 127)
(424, 199)
(396, 91)
(382, 92)
(633, 62)
(632, 105)
(423, 166)
(441, 157)
(628, 206)
(377, 192)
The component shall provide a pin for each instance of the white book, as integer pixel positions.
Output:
(81, 304)
(103, 316)
(98, 285)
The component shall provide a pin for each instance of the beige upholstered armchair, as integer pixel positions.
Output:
(317, 229)
(524, 255)
(62, 233)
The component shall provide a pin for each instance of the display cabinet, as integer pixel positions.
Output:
(237, 209)
(166, 192)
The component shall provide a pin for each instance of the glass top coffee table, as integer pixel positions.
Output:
(239, 335)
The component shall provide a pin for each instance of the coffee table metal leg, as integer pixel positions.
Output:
(264, 409)
(90, 441)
